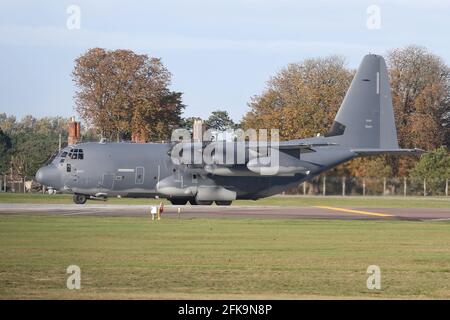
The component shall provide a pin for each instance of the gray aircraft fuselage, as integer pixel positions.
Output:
(136, 170)
(364, 126)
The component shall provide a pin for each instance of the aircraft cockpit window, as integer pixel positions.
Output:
(76, 154)
(50, 160)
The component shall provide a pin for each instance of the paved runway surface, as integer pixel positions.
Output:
(318, 212)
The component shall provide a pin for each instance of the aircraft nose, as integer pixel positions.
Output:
(48, 176)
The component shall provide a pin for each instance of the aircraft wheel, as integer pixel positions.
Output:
(178, 201)
(224, 203)
(200, 203)
(79, 198)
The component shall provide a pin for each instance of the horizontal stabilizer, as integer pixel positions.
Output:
(375, 151)
(309, 146)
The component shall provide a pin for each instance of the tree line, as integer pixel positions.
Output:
(27, 143)
(120, 93)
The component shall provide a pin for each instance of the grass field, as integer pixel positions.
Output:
(374, 201)
(221, 258)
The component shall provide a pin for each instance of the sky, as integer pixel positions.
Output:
(220, 52)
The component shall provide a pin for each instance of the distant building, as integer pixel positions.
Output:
(74, 131)
(228, 135)
(198, 128)
(137, 138)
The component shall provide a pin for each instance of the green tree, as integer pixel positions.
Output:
(29, 142)
(30, 151)
(219, 120)
(434, 166)
(187, 123)
(5, 146)
(7, 123)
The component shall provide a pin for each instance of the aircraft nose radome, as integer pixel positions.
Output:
(48, 176)
(38, 176)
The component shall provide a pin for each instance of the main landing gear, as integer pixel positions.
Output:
(200, 203)
(178, 202)
(223, 203)
(194, 202)
(79, 198)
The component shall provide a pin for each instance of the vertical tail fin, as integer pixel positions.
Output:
(366, 117)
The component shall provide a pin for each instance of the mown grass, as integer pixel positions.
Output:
(300, 201)
(133, 257)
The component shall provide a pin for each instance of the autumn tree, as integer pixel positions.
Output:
(156, 117)
(302, 99)
(420, 84)
(121, 92)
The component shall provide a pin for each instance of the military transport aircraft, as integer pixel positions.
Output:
(364, 126)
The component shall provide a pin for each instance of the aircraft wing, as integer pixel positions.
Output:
(293, 149)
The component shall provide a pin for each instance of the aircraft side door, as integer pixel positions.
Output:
(108, 181)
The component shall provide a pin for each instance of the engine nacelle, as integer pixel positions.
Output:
(172, 187)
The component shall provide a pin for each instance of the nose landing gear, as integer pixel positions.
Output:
(79, 198)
